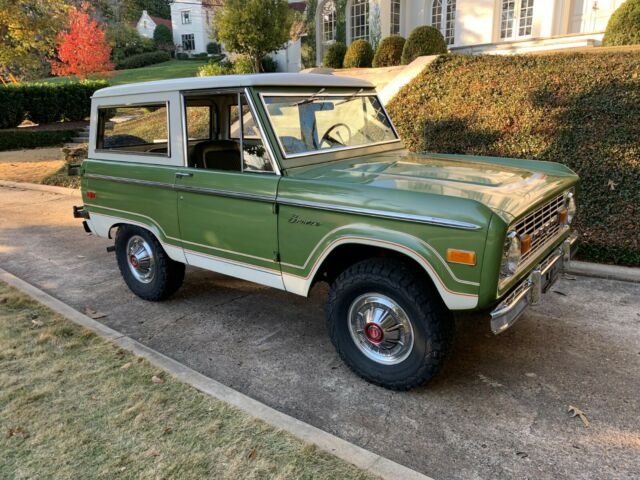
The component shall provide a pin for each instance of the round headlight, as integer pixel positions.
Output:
(571, 208)
(511, 255)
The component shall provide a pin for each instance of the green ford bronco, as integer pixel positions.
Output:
(291, 179)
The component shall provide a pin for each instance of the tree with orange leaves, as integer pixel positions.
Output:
(83, 49)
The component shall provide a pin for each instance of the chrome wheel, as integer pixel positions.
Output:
(140, 259)
(380, 328)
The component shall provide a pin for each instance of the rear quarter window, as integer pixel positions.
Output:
(142, 129)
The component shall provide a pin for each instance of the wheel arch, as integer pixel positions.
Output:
(345, 251)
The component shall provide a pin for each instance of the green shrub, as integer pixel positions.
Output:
(182, 56)
(143, 60)
(200, 55)
(624, 25)
(359, 55)
(15, 140)
(215, 69)
(334, 55)
(269, 65)
(46, 102)
(163, 37)
(389, 52)
(422, 41)
(214, 48)
(242, 65)
(582, 110)
(125, 41)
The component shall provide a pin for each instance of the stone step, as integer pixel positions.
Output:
(79, 139)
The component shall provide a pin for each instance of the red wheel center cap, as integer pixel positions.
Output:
(133, 261)
(373, 332)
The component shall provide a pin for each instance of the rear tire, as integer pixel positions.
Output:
(388, 324)
(145, 266)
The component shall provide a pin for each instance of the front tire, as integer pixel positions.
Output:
(145, 266)
(388, 325)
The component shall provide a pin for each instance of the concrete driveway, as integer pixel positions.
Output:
(499, 409)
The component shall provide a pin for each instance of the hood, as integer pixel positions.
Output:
(507, 186)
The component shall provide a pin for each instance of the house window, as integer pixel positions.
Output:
(328, 21)
(516, 18)
(443, 17)
(395, 17)
(359, 15)
(188, 42)
(186, 17)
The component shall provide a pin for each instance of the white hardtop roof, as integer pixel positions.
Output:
(314, 80)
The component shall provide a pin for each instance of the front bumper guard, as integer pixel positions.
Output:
(530, 290)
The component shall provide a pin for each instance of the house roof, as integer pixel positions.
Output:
(313, 80)
(161, 21)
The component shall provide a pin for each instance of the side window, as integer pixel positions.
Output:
(254, 154)
(198, 123)
(142, 129)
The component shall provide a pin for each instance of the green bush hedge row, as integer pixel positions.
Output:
(46, 102)
(579, 109)
(143, 60)
(624, 25)
(15, 140)
(334, 55)
(422, 41)
(359, 55)
(389, 52)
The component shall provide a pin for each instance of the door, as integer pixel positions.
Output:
(227, 191)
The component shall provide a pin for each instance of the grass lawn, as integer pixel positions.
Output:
(72, 405)
(160, 71)
(33, 166)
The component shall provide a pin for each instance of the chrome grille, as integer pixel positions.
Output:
(542, 224)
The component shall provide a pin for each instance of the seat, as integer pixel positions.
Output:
(217, 155)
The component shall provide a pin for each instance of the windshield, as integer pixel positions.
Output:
(314, 123)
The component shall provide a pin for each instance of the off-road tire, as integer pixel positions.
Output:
(433, 324)
(169, 274)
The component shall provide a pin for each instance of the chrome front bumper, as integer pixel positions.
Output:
(529, 291)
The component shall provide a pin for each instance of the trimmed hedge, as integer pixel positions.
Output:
(46, 102)
(422, 41)
(389, 52)
(16, 140)
(624, 25)
(334, 55)
(143, 60)
(359, 55)
(579, 109)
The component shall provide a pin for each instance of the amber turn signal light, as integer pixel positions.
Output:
(562, 216)
(461, 256)
(525, 243)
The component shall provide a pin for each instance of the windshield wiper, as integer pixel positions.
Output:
(351, 97)
(308, 99)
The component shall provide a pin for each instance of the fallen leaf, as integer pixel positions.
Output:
(94, 313)
(36, 323)
(167, 430)
(560, 293)
(522, 454)
(156, 379)
(17, 432)
(612, 185)
(576, 412)
(154, 453)
(252, 455)
(125, 366)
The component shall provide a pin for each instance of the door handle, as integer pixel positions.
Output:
(183, 174)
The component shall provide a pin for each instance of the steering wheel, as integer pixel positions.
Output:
(331, 140)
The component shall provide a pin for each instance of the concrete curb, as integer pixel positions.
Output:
(361, 458)
(42, 188)
(609, 272)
